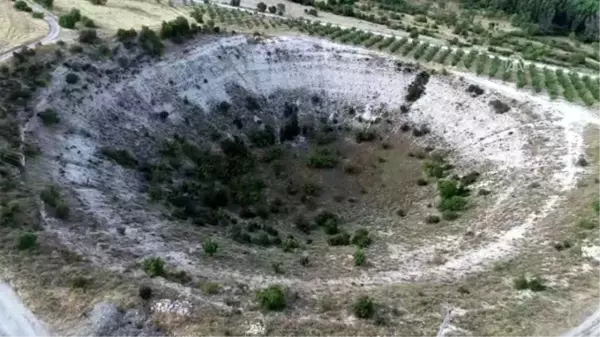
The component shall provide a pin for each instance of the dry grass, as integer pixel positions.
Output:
(17, 28)
(123, 14)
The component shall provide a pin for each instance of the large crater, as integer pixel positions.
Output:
(524, 149)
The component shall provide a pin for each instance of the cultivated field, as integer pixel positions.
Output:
(122, 14)
(18, 28)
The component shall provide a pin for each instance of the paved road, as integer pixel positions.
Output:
(53, 33)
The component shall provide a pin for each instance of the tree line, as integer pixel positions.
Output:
(552, 16)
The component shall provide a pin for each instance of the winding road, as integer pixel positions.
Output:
(51, 37)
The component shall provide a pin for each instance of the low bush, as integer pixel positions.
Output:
(323, 159)
(49, 116)
(359, 257)
(361, 238)
(272, 298)
(535, 284)
(145, 292)
(454, 203)
(210, 247)
(37, 15)
(71, 78)
(432, 219)
(50, 195)
(154, 267)
(70, 19)
(364, 307)
(27, 241)
(62, 210)
(290, 243)
(21, 5)
(88, 36)
(366, 136)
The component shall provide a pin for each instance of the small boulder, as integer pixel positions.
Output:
(582, 161)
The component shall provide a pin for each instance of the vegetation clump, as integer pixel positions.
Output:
(27, 241)
(342, 239)
(154, 267)
(323, 159)
(535, 284)
(361, 238)
(49, 116)
(210, 247)
(359, 257)
(272, 298)
(364, 307)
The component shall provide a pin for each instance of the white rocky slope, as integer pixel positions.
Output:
(534, 142)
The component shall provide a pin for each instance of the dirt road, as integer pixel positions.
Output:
(53, 33)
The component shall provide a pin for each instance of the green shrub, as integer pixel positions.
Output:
(176, 29)
(62, 210)
(69, 20)
(87, 22)
(150, 42)
(449, 188)
(37, 15)
(50, 195)
(71, 78)
(210, 247)
(342, 239)
(454, 203)
(21, 5)
(596, 206)
(126, 35)
(359, 257)
(154, 267)
(323, 159)
(88, 36)
(364, 307)
(27, 241)
(272, 298)
(290, 243)
(434, 169)
(49, 116)
(329, 221)
(361, 238)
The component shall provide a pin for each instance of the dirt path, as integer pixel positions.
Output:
(589, 328)
(53, 33)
